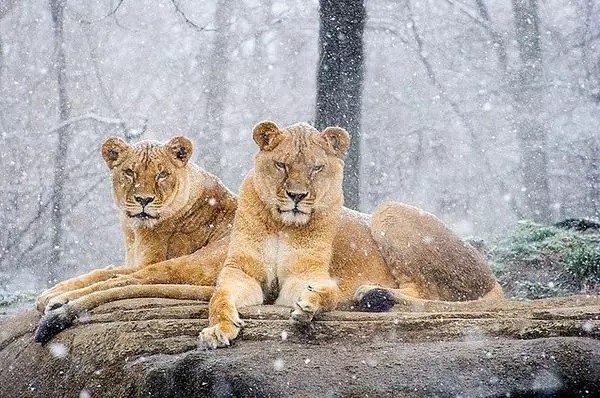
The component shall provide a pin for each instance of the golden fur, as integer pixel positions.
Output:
(280, 254)
(176, 220)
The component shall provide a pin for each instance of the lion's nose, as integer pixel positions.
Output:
(144, 200)
(296, 196)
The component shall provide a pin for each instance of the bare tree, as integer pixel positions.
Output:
(531, 133)
(6, 7)
(216, 90)
(57, 11)
(340, 80)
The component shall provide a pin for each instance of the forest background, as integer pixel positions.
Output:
(482, 112)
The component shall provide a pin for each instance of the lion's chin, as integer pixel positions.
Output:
(294, 217)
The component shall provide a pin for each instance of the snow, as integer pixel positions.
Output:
(278, 365)
(58, 350)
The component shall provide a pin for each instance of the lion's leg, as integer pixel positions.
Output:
(308, 295)
(370, 297)
(82, 281)
(200, 268)
(235, 289)
(186, 277)
(63, 298)
(61, 318)
(172, 291)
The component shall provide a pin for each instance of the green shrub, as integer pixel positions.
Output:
(535, 261)
(8, 299)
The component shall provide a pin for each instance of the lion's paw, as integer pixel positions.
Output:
(220, 335)
(303, 312)
(45, 297)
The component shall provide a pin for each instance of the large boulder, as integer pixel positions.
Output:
(147, 348)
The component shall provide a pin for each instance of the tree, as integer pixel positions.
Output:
(530, 132)
(340, 80)
(216, 90)
(57, 10)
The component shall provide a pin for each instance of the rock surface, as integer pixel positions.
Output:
(147, 348)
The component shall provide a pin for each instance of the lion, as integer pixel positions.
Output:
(399, 255)
(175, 218)
(294, 244)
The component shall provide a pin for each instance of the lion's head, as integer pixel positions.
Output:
(150, 180)
(298, 170)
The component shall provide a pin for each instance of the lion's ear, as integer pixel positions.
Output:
(338, 140)
(180, 148)
(112, 149)
(266, 135)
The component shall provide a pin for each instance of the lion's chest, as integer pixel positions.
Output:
(278, 255)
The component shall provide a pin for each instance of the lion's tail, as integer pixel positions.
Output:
(376, 300)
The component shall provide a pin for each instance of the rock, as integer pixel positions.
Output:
(147, 348)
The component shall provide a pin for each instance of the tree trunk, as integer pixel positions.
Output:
(216, 90)
(592, 178)
(339, 81)
(54, 263)
(530, 132)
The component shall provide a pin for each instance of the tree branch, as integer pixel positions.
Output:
(486, 23)
(85, 116)
(188, 21)
(82, 20)
(475, 142)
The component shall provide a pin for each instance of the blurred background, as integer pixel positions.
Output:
(483, 112)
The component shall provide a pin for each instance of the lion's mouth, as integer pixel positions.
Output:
(294, 216)
(295, 211)
(142, 216)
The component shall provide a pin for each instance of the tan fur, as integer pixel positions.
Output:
(179, 237)
(413, 256)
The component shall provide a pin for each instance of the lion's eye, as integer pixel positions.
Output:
(129, 173)
(162, 175)
(318, 168)
(280, 166)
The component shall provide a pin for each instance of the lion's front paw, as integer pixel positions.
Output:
(303, 312)
(219, 335)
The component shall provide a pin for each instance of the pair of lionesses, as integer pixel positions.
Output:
(287, 237)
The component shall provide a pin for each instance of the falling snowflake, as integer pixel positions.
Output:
(58, 350)
(85, 394)
(278, 365)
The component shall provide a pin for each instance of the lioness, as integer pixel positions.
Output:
(170, 208)
(291, 233)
